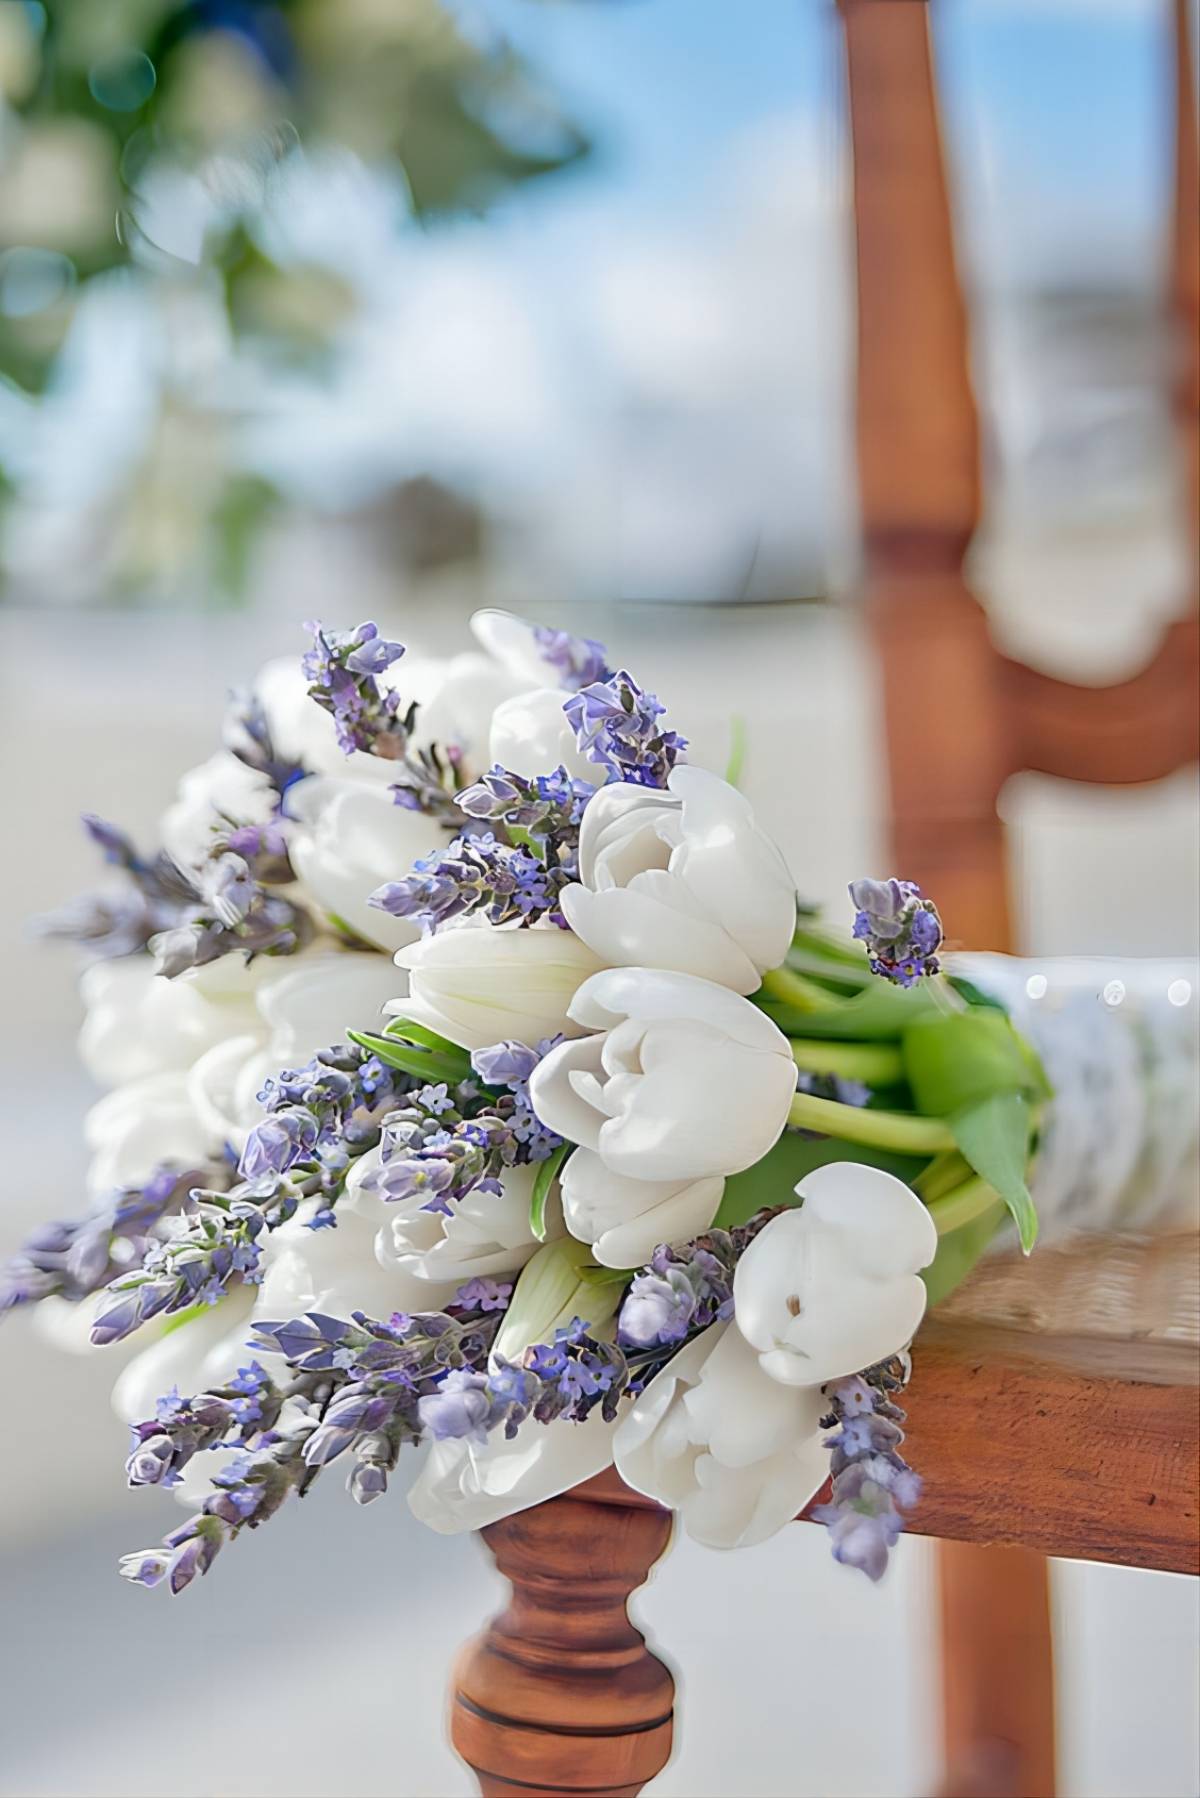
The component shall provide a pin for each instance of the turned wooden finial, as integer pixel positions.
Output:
(560, 1695)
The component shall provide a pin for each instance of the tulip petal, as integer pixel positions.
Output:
(624, 1219)
(736, 872)
(555, 1095)
(832, 1288)
(723, 1503)
(652, 994)
(629, 925)
(465, 1485)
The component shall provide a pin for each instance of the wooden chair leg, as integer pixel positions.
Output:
(560, 1697)
(997, 1672)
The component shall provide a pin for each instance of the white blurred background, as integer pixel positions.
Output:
(361, 349)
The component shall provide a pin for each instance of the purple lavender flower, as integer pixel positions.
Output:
(505, 1064)
(616, 725)
(578, 661)
(342, 667)
(872, 1483)
(281, 1139)
(77, 1258)
(899, 927)
(148, 1567)
(246, 733)
(657, 1310)
(461, 1407)
(481, 1294)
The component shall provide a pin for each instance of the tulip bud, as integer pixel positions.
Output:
(550, 1295)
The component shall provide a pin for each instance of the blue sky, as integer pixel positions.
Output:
(1055, 107)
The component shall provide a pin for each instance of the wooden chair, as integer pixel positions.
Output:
(560, 1695)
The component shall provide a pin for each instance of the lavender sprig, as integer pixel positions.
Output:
(577, 661)
(899, 927)
(229, 911)
(361, 1389)
(110, 925)
(74, 1259)
(872, 1483)
(342, 668)
(320, 1118)
(246, 733)
(681, 1291)
(448, 1142)
(616, 726)
(513, 873)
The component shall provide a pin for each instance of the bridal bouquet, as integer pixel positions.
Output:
(478, 1083)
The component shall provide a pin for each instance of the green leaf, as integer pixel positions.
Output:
(772, 1180)
(408, 1032)
(994, 1135)
(543, 1180)
(424, 1064)
(955, 1059)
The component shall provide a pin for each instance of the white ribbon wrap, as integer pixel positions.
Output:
(1120, 1042)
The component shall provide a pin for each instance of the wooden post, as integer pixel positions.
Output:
(560, 1697)
(1183, 288)
(918, 464)
(950, 744)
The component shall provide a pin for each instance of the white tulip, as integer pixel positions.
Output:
(531, 735)
(310, 1005)
(484, 1236)
(481, 984)
(336, 1271)
(138, 1022)
(221, 791)
(461, 708)
(682, 879)
(511, 642)
(624, 1219)
(689, 1080)
(345, 840)
(831, 1288)
(145, 1125)
(464, 1485)
(734, 1452)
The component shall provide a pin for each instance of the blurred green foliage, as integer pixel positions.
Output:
(140, 146)
(102, 93)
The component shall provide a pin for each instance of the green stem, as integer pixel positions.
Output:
(737, 750)
(795, 990)
(899, 1130)
(943, 1174)
(831, 947)
(875, 1064)
(968, 1202)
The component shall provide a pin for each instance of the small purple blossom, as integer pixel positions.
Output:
(482, 1294)
(577, 661)
(460, 1408)
(872, 1483)
(505, 1064)
(342, 669)
(899, 927)
(658, 1309)
(616, 726)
